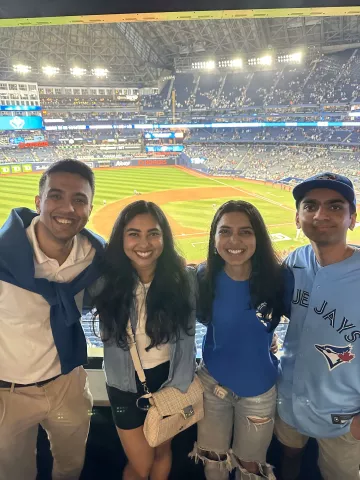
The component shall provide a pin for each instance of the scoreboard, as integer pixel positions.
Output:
(21, 122)
(163, 135)
(164, 141)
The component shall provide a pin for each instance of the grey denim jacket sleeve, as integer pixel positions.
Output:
(119, 369)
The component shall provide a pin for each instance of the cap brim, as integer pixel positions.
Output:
(301, 189)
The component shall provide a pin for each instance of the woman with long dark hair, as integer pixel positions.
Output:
(146, 281)
(242, 295)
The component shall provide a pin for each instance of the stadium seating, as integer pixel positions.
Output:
(276, 162)
(331, 79)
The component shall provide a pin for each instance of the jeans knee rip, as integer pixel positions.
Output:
(252, 421)
(223, 459)
(265, 470)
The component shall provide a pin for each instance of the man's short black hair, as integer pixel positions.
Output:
(69, 166)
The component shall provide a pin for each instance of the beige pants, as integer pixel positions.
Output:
(339, 457)
(63, 408)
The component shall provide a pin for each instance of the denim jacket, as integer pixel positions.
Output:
(119, 369)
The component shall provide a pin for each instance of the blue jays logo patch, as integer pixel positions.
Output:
(327, 176)
(264, 319)
(335, 356)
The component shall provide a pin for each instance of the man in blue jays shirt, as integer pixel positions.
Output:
(47, 259)
(319, 386)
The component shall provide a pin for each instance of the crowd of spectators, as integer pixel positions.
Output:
(53, 154)
(329, 79)
(59, 101)
(286, 93)
(291, 135)
(96, 114)
(277, 162)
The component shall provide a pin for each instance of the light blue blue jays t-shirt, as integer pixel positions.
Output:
(319, 385)
(236, 347)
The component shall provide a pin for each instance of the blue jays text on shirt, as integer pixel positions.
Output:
(328, 313)
(334, 355)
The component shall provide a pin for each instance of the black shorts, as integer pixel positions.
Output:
(125, 413)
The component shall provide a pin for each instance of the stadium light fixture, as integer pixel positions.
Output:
(237, 63)
(22, 69)
(295, 57)
(100, 72)
(209, 65)
(265, 60)
(233, 63)
(78, 72)
(50, 71)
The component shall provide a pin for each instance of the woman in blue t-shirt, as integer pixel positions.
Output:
(244, 290)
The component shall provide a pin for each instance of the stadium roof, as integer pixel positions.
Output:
(137, 54)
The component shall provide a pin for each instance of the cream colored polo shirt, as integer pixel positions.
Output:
(27, 349)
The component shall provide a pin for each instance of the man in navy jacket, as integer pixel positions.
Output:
(47, 260)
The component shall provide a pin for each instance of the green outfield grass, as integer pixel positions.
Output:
(276, 206)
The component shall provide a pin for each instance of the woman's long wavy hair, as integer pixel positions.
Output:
(266, 278)
(168, 305)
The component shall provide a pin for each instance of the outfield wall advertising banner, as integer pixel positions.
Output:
(16, 169)
(125, 162)
(5, 169)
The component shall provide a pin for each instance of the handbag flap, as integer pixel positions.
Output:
(170, 400)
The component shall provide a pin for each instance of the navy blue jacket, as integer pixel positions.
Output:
(17, 268)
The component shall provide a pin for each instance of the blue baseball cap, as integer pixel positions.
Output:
(333, 181)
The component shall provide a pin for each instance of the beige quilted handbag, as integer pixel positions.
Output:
(171, 411)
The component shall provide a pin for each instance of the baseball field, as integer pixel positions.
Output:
(188, 199)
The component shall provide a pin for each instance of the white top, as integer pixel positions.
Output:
(27, 349)
(157, 355)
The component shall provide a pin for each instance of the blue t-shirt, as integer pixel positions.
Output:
(236, 347)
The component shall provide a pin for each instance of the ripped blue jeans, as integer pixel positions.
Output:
(230, 432)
